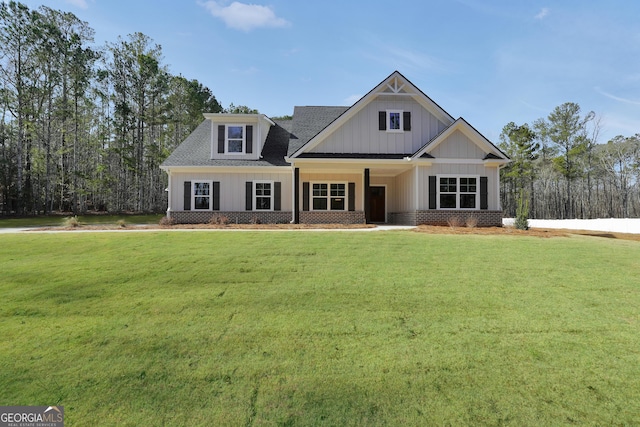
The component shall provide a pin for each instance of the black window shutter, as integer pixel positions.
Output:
(352, 196)
(406, 120)
(249, 196)
(249, 139)
(305, 196)
(484, 196)
(187, 195)
(382, 120)
(277, 196)
(216, 196)
(433, 193)
(221, 139)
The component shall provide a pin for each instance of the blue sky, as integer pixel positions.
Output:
(490, 62)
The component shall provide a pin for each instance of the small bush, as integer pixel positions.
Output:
(471, 221)
(219, 220)
(167, 221)
(121, 223)
(72, 222)
(454, 221)
(522, 212)
(255, 220)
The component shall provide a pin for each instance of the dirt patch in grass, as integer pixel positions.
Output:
(429, 229)
(533, 232)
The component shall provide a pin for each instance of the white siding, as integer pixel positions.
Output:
(460, 169)
(457, 146)
(232, 188)
(405, 192)
(358, 179)
(390, 191)
(361, 135)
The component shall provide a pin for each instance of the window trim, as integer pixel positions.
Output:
(400, 121)
(458, 193)
(255, 195)
(328, 196)
(193, 195)
(226, 139)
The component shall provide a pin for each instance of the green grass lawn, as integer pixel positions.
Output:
(58, 220)
(321, 328)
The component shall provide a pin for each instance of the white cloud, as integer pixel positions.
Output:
(245, 17)
(543, 13)
(82, 4)
(616, 98)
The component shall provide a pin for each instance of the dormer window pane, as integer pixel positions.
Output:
(394, 121)
(235, 139)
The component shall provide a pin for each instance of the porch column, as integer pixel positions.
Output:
(367, 194)
(296, 195)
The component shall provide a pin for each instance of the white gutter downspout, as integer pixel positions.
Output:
(169, 193)
(293, 193)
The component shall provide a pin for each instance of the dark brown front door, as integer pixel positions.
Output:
(377, 204)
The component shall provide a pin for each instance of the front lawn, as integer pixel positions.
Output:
(321, 328)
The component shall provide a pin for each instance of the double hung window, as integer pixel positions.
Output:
(458, 192)
(263, 193)
(235, 139)
(201, 194)
(329, 196)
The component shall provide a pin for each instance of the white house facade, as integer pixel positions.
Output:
(394, 156)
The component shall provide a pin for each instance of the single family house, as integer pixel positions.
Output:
(395, 156)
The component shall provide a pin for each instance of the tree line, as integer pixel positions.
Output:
(560, 170)
(85, 127)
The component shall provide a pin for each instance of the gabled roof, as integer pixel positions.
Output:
(196, 149)
(493, 152)
(308, 122)
(395, 84)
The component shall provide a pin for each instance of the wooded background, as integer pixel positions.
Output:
(85, 128)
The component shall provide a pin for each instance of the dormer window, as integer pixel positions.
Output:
(235, 139)
(394, 121)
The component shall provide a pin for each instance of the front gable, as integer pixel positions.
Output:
(461, 142)
(394, 118)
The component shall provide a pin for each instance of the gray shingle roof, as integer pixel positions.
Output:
(309, 121)
(196, 149)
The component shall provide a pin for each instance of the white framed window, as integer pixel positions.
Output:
(458, 192)
(201, 195)
(263, 195)
(395, 121)
(329, 196)
(235, 137)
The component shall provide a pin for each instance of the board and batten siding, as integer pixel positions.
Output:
(328, 177)
(457, 146)
(232, 188)
(459, 170)
(390, 190)
(405, 193)
(361, 135)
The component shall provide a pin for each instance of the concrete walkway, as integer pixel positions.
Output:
(133, 228)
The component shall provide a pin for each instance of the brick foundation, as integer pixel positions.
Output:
(332, 217)
(195, 217)
(443, 217)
